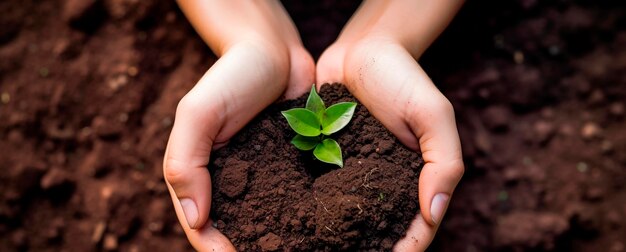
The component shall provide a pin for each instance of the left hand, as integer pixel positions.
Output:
(387, 79)
(260, 59)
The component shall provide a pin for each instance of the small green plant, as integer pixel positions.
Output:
(315, 123)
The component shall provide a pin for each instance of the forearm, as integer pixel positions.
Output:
(221, 24)
(415, 24)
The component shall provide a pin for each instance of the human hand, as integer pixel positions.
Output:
(260, 60)
(384, 76)
(376, 57)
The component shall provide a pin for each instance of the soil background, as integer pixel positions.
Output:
(88, 91)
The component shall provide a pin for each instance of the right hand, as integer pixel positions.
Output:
(391, 84)
(376, 58)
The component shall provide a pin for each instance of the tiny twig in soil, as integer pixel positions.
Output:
(360, 209)
(324, 206)
(301, 240)
(366, 183)
(330, 229)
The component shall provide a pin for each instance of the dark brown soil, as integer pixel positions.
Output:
(88, 91)
(269, 195)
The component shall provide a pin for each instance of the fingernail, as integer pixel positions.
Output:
(190, 210)
(438, 206)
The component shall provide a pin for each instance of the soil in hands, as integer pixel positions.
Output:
(267, 195)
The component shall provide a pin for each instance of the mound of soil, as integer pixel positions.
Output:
(268, 195)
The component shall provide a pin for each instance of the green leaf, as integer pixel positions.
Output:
(337, 116)
(305, 143)
(303, 121)
(315, 103)
(328, 151)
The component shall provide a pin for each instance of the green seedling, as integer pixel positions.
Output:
(315, 123)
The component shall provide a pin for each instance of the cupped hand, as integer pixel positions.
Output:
(387, 79)
(261, 59)
(220, 104)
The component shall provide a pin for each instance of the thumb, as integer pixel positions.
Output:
(441, 151)
(186, 159)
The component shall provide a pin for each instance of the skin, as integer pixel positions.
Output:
(260, 40)
(375, 56)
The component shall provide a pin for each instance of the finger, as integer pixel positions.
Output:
(329, 67)
(418, 237)
(207, 238)
(301, 73)
(222, 102)
(186, 157)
